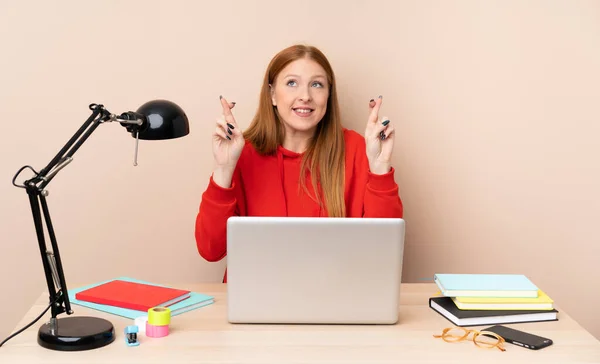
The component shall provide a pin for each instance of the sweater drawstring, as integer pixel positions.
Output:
(281, 177)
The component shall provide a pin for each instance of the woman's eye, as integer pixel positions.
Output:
(291, 83)
(317, 84)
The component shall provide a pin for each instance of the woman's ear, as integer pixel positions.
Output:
(272, 95)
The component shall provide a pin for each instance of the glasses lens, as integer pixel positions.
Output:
(486, 340)
(455, 334)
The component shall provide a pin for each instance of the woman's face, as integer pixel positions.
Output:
(300, 93)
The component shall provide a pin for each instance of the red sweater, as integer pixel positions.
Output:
(269, 186)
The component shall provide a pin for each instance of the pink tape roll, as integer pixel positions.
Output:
(156, 331)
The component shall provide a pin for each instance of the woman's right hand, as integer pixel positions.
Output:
(228, 142)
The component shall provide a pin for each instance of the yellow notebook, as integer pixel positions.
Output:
(541, 302)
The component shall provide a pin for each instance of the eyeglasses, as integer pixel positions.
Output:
(483, 339)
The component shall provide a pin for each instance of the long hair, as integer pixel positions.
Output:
(324, 157)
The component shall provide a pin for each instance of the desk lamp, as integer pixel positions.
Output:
(154, 120)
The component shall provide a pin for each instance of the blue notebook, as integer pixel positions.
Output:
(485, 285)
(196, 300)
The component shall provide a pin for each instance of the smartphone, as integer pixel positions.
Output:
(520, 338)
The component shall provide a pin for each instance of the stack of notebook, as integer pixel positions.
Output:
(132, 298)
(484, 299)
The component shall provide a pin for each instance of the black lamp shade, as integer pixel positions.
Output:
(163, 120)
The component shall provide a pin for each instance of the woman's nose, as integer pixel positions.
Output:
(305, 94)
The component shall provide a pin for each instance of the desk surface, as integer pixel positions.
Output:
(205, 336)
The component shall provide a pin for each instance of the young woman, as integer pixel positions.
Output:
(296, 159)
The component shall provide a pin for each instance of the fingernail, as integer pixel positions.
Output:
(231, 126)
(385, 122)
(380, 96)
(229, 131)
(220, 97)
(371, 100)
(233, 102)
(228, 137)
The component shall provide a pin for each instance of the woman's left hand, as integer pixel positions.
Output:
(379, 137)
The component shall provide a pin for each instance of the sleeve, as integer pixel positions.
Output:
(216, 206)
(382, 197)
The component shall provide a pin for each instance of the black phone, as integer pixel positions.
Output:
(520, 338)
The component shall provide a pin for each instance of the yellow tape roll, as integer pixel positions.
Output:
(159, 316)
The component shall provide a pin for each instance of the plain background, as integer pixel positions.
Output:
(495, 103)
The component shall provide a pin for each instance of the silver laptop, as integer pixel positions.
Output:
(302, 270)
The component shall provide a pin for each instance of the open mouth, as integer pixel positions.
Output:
(303, 112)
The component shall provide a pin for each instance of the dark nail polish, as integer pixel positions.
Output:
(380, 96)
(220, 97)
(233, 102)
(385, 122)
(371, 100)
(229, 131)
(230, 126)
(228, 137)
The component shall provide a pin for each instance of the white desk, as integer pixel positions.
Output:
(204, 336)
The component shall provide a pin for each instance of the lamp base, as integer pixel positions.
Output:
(76, 334)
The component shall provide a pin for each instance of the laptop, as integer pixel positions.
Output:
(305, 270)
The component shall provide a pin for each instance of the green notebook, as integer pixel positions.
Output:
(485, 285)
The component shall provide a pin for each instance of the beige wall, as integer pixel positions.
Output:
(495, 104)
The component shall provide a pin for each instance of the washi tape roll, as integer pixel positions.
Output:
(140, 322)
(156, 331)
(159, 316)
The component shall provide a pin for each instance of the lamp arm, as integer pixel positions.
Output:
(65, 155)
(35, 187)
(96, 109)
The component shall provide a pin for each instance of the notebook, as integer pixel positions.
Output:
(446, 307)
(485, 285)
(541, 302)
(132, 295)
(196, 300)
